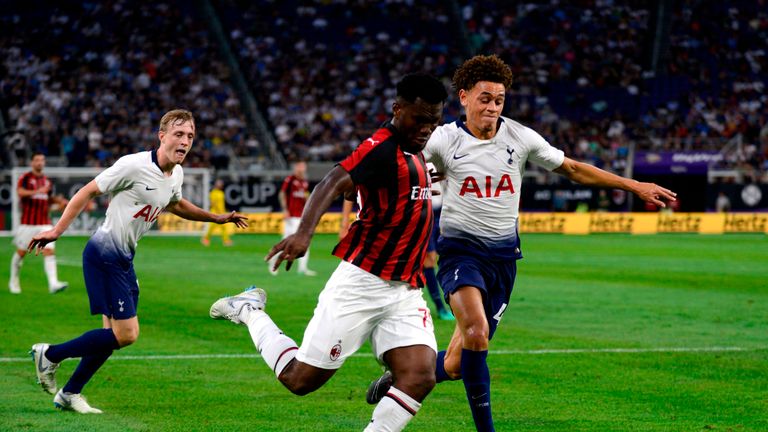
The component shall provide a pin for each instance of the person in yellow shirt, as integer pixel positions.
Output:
(218, 205)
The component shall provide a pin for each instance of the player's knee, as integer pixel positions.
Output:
(416, 383)
(126, 336)
(299, 388)
(299, 381)
(475, 336)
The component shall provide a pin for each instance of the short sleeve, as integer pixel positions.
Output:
(541, 152)
(176, 197)
(433, 150)
(117, 177)
(371, 161)
(286, 185)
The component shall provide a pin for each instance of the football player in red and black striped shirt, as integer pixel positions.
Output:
(293, 197)
(374, 293)
(35, 193)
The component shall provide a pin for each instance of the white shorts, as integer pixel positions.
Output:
(24, 234)
(356, 306)
(290, 226)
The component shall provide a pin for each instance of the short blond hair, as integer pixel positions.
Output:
(177, 116)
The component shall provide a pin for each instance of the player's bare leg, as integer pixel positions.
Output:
(301, 378)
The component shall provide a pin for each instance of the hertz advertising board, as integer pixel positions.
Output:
(557, 223)
(258, 223)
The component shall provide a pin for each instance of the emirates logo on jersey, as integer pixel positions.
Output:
(420, 193)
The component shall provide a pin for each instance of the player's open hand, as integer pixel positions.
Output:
(653, 193)
(39, 241)
(238, 219)
(288, 250)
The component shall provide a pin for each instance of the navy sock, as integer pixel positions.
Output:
(440, 373)
(92, 342)
(434, 288)
(477, 383)
(85, 370)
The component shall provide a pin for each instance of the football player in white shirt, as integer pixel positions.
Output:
(483, 156)
(141, 186)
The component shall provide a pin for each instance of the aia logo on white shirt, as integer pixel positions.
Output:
(148, 213)
(491, 189)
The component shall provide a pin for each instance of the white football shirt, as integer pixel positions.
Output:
(481, 192)
(139, 192)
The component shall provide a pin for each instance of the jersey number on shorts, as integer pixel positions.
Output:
(426, 315)
(500, 313)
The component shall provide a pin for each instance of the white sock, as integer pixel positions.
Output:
(275, 348)
(16, 263)
(393, 412)
(303, 261)
(49, 262)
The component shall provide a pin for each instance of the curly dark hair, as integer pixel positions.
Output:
(482, 68)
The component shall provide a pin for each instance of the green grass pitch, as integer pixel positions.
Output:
(603, 333)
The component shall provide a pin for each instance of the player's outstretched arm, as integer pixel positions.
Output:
(71, 211)
(186, 210)
(592, 176)
(336, 182)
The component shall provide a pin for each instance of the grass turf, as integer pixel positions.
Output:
(589, 294)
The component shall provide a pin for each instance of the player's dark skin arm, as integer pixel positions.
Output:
(336, 182)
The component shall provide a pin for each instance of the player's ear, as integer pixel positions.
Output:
(160, 135)
(396, 107)
(463, 96)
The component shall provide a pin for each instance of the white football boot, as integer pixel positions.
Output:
(58, 287)
(14, 286)
(45, 369)
(73, 402)
(230, 307)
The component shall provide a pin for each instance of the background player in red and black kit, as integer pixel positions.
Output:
(374, 293)
(293, 196)
(36, 193)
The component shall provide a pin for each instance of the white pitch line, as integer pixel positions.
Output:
(493, 353)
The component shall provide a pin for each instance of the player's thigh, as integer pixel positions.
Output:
(351, 304)
(24, 234)
(407, 322)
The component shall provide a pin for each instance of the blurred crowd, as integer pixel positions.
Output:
(92, 80)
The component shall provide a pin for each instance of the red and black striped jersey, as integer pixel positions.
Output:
(295, 190)
(34, 208)
(391, 235)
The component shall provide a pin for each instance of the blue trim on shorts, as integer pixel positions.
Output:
(495, 279)
(113, 289)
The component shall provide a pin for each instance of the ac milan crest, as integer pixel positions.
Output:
(335, 352)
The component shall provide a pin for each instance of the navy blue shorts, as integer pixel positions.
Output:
(495, 279)
(110, 280)
(432, 246)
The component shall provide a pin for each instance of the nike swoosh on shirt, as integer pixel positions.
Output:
(459, 157)
(149, 188)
